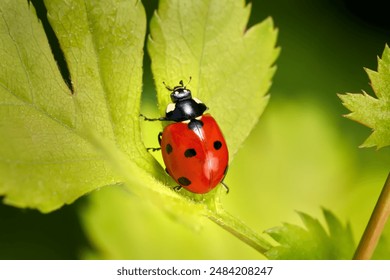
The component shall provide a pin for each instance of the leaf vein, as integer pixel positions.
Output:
(101, 80)
(20, 57)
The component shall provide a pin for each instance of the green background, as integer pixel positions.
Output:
(302, 155)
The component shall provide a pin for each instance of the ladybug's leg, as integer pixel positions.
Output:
(222, 182)
(159, 141)
(225, 186)
(153, 149)
(153, 119)
(177, 188)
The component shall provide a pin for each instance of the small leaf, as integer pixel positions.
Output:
(230, 65)
(370, 111)
(47, 157)
(314, 242)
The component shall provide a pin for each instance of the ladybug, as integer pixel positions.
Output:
(193, 147)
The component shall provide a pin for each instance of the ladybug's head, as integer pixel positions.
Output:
(179, 93)
(184, 107)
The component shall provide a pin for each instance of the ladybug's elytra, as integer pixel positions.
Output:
(193, 147)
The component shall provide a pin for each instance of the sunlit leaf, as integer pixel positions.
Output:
(373, 112)
(59, 143)
(314, 241)
(230, 65)
(46, 156)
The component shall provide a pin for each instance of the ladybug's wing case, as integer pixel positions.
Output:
(195, 154)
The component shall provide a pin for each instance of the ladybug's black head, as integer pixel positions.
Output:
(184, 107)
(179, 93)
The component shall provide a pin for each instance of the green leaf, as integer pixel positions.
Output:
(182, 208)
(231, 70)
(373, 112)
(46, 154)
(230, 65)
(314, 242)
(58, 144)
(119, 225)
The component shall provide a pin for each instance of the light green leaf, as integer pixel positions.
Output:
(370, 111)
(185, 209)
(56, 145)
(121, 226)
(230, 65)
(46, 155)
(231, 70)
(314, 242)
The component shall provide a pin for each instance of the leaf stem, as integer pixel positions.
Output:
(240, 230)
(375, 225)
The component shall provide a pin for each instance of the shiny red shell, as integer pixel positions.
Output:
(197, 159)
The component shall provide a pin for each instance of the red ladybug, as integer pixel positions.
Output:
(193, 147)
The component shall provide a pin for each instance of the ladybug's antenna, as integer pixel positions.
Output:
(180, 83)
(167, 87)
(187, 83)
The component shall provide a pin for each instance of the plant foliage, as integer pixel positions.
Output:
(373, 112)
(314, 241)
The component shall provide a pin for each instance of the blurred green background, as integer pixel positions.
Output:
(302, 155)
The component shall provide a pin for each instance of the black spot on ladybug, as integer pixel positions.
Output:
(195, 124)
(184, 181)
(217, 145)
(190, 153)
(168, 148)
